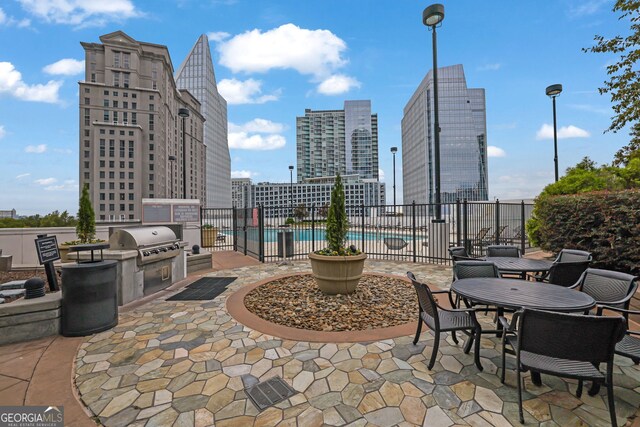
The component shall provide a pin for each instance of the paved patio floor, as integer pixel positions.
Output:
(188, 363)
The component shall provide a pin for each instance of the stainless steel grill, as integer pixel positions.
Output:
(153, 243)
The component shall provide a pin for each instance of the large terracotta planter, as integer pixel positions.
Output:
(337, 274)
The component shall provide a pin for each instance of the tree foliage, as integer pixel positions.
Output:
(53, 219)
(86, 228)
(624, 80)
(300, 212)
(337, 223)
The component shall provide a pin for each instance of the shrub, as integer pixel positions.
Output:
(86, 228)
(607, 224)
(337, 223)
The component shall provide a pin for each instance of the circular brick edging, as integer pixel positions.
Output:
(237, 310)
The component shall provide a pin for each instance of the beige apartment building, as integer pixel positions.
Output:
(132, 123)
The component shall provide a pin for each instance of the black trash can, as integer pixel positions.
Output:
(285, 244)
(89, 298)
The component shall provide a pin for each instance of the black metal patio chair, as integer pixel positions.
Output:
(469, 269)
(440, 319)
(608, 287)
(459, 253)
(556, 344)
(630, 344)
(573, 255)
(503, 251)
(563, 273)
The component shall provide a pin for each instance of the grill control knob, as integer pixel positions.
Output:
(163, 249)
(154, 251)
(145, 253)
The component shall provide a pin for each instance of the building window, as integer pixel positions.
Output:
(112, 186)
(87, 117)
(102, 148)
(122, 188)
(112, 148)
(93, 77)
(106, 116)
(101, 174)
(102, 185)
(130, 175)
(130, 165)
(125, 94)
(111, 165)
(130, 151)
(130, 208)
(150, 121)
(106, 92)
(102, 209)
(151, 107)
(130, 196)
(134, 118)
(87, 101)
(122, 148)
(86, 143)
(87, 90)
(126, 59)
(115, 117)
(101, 196)
(86, 175)
(112, 207)
(116, 79)
(125, 77)
(131, 186)
(112, 175)
(116, 59)
(86, 154)
(101, 163)
(134, 95)
(86, 165)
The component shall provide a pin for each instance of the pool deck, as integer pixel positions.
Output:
(188, 362)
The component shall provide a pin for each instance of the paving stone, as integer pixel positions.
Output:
(400, 376)
(437, 417)
(413, 410)
(445, 397)
(150, 412)
(352, 395)
(270, 417)
(385, 417)
(122, 418)
(120, 402)
(447, 378)
(348, 413)
(311, 417)
(538, 408)
(371, 402)
(467, 408)
(488, 400)
(326, 400)
(332, 417)
(163, 419)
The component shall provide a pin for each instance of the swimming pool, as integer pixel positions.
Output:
(307, 235)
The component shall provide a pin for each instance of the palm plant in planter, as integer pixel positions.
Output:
(337, 269)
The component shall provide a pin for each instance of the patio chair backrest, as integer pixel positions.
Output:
(395, 243)
(607, 286)
(425, 299)
(503, 251)
(482, 233)
(567, 273)
(459, 253)
(563, 335)
(573, 255)
(470, 269)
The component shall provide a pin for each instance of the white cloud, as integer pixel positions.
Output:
(83, 13)
(493, 151)
(66, 67)
(589, 7)
(490, 67)
(41, 148)
(63, 150)
(11, 83)
(243, 174)
(23, 175)
(11, 21)
(380, 175)
(337, 84)
(68, 185)
(244, 92)
(217, 36)
(46, 181)
(546, 132)
(2, 132)
(590, 108)
(244, 141)
(257, 126)
(311, 52)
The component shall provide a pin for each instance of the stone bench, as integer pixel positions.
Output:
(202, 261)
(29, 319)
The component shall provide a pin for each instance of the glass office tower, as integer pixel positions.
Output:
(197, 76)
(463, 140)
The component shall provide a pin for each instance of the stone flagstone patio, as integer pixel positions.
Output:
(188, 363)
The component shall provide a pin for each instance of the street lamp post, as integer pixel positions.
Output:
(553, 91)
(431, 17)
(394, 150)
(291, 185)
(172, 160)
(184, 113)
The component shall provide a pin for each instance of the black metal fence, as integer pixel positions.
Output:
(401, 232)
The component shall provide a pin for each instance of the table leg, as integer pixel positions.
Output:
(500, 312)
(536, 379)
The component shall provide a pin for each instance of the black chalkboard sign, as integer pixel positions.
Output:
(47, 249)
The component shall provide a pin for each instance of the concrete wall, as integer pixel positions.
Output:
(20, 242)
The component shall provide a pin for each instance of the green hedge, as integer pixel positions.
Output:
(607, 224)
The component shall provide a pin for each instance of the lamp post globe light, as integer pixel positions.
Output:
(172, 160)
(184, 113)
(291, 185)
(553, 91)
(394, 150)
(431, 17)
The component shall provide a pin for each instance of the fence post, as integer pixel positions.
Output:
(234, 225)
(244, 228)
(497, 235)
(458, 223)
(413, 220)
(313, 227)
(465, 227)
(261, 234)
(362, 227)
(523, 231)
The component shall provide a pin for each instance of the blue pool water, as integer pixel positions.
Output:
(306, 235)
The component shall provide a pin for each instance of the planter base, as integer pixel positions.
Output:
(337, 274)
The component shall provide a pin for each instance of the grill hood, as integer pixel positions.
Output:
(137, 238)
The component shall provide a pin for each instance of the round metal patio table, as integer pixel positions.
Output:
(515, 294)
(520, 265)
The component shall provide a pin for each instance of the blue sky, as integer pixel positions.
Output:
(274, 58)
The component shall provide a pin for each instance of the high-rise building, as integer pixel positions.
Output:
(196, 74)
(131, 130)
(241, 194)
(463, 140)
(329, 142)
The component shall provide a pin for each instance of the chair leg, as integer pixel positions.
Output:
(453, 336)
(434, 353)
(467, 345)
(476, 356)
(415, 340)
(519, 392)
(504, 361)
(612, 408)
(579, 389)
